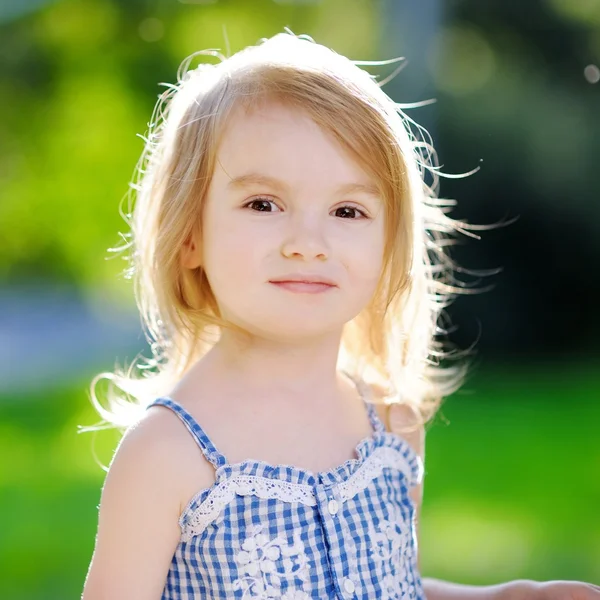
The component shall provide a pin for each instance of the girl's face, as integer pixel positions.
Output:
(287, 201)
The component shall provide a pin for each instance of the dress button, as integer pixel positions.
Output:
(349, 585)
(333, 507)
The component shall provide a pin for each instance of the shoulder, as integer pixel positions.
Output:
(146, 453)
(158, 451)
(402, 419)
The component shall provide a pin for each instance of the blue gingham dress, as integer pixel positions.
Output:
(275, 532)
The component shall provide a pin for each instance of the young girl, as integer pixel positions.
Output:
(290, 270)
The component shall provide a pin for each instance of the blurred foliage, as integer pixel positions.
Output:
(508, 491)
(80, 81)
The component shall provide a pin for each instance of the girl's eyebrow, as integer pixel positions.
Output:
(250, 179)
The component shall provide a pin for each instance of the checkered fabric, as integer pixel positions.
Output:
(280, 532)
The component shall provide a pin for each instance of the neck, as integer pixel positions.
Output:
(270, 368)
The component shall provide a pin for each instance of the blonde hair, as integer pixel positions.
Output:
(392, 344)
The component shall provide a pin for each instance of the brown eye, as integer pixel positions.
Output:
(349, 212)
(260, 205)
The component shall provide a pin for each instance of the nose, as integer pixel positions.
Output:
(304, 238)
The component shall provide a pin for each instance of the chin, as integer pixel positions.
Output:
(295, 328)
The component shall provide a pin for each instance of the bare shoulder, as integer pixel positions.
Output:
(178, 453)
(158, 450)
(147, 454)
(401, 419)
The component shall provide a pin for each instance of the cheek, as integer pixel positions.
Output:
(231, 256)
(365, 275)
(366, 259)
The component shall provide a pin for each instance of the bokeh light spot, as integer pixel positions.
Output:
(151, 29)
(461, 60)
(592, 74)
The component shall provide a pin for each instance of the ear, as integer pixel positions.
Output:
(190, 252)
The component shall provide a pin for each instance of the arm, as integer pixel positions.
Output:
(444, 590)
(138, 518)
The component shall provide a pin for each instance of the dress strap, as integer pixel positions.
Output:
(365, 393)
(206, 446)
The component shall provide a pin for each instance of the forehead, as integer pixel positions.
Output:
(283, 142)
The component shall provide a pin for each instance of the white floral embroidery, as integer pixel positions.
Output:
(397, 587)
(392, 548)
(295, 595)
(267, 563)
(390, 537)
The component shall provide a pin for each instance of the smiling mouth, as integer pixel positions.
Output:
(303, 287)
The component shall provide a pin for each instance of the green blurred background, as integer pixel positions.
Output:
(512, 486)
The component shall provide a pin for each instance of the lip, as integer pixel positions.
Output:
(304, 278)
(303, 287)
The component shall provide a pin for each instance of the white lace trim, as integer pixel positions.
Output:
(372, 468)
(264, 487)
(244, 485)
